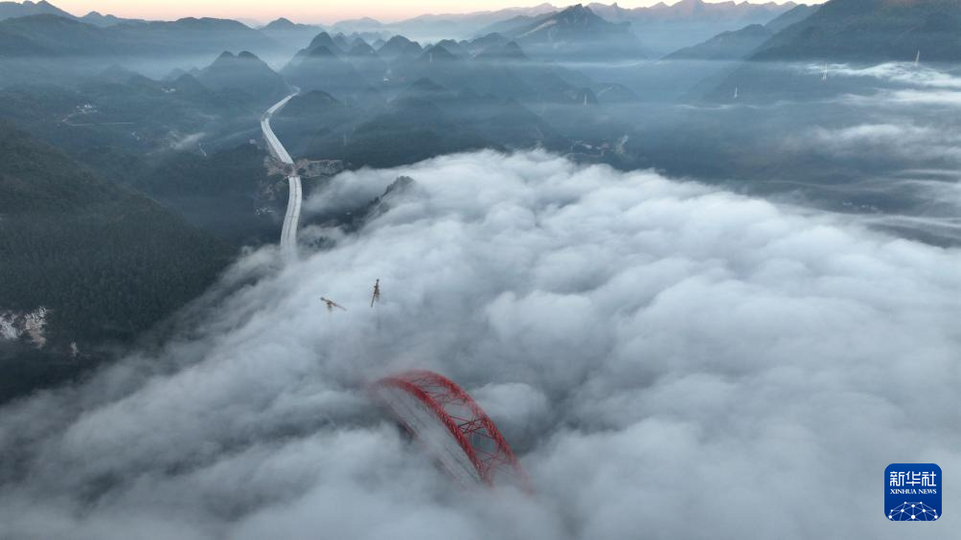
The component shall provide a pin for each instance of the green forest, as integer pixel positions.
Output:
(106, 261)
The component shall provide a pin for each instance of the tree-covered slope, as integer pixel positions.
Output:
(108, 263)
(872, 31)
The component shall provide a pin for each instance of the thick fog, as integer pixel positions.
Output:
(669, 360)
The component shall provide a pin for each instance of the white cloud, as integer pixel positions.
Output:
(900, 84)
(915, 97)
(904, 140)
(922, 76)
(673, 360)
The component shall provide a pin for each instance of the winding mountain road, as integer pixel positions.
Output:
(288, 236)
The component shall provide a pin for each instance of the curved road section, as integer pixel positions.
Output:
(288, 236)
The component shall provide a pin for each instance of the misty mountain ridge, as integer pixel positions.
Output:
(692, 10)
(430, 27)
(282, 33)
(793, 16)
(69, 36)
(576, 33)
(665, 28)
(289, 35)
(320, 66)
(491, 64)
(97, 19)
(726, 46)
(719, 16)
(738, 44)
(859, 32)
(575, 22)
(396, 47)
(323, 39)
(872, 31)
(501, 14)
(9, 10)
(366, 22)
(244, 73)
(284, 24)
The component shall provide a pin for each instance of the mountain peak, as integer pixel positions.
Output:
(576, 11)
(10, 10)
(323, 39)
(367, 20)
(244, 73)
(399, 39)
(577, 19)
(228, 57)
(576, 31)
(577, 15)
(280, 24)
(398, 46)
(689, 7)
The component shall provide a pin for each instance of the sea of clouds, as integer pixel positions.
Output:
(669, 360)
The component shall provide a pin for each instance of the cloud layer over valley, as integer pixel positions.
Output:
(670, 360)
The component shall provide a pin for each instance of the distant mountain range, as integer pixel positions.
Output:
(662, 28)
(354, 72)
(687, 10)
(434, 27)
(286, 25)
(103, 21)
(371, 57)
(666, 28)
(289, 35)
(402, 101)
(10, 10)
(56, 36)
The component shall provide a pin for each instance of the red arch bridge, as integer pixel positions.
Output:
(452, 427)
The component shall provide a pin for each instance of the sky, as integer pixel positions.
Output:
(299, 10)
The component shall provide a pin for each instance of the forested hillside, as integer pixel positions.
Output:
(106, 262)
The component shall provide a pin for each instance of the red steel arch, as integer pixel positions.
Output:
(467, 424)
